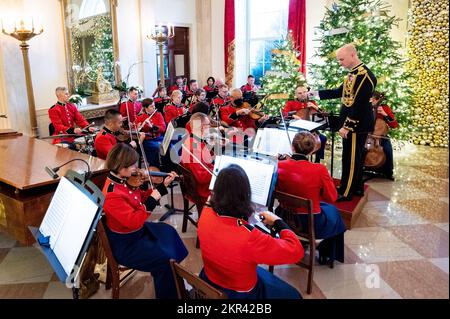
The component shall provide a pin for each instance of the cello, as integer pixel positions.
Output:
(375, 157)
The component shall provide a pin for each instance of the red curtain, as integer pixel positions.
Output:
(229, 44)
(297, 24)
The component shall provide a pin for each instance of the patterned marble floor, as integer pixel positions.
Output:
(399, 247)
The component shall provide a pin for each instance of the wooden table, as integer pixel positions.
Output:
(26, 188)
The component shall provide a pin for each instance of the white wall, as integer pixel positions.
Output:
(181, 13)
(47, 53)
(218, 55)
(130, 42)
(47, 60)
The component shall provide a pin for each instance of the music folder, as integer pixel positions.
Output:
(261, 174)
(306, 125)
(167, 138)
(68, 225)
(273, 141)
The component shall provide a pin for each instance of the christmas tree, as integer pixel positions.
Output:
(367, 25)
(283, 78)
(428, 53)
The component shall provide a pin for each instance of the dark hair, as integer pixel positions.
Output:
(121, 156)
(200, 107)
(161, 88)
(232, 194)
(199, 91)
(211, 78)
(192, 81)
(111, 115)
(131, 89)
(378, 95)
(250, 76)
(147, 102)
(304, 143)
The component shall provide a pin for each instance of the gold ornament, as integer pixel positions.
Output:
(427, 48)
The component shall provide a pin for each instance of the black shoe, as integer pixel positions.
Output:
(343, 198)
(390, 177)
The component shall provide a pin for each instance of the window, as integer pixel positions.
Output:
(265, 24)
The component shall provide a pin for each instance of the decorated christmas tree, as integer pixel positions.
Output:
(283, 78)
(366, 24)
(428, 53)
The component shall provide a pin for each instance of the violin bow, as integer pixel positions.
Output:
(146, 121)
(198, 161)
(144, 157)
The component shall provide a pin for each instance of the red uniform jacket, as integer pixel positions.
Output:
(295, 105)
(172, 112)
(392, 122)
(232, 249)
(174, 87)
(64, 117)
(220, 101)
(228, 115)
(247, 88)
(208, 88)
(104, 142)
(201, 175)
(124, 208)
(134, 108)
(299, 177)
(159, 126)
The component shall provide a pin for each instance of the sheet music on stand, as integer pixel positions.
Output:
(306, 125)
(262, 176)
(68, 226)
(167, 138)
(273, 141)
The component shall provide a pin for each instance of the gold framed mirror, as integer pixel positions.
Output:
(92, 49)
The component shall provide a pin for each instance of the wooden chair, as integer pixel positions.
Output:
(188, 187)
(290, 203)
(201, 289)
(116, 275)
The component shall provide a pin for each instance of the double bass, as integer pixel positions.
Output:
(375, 157)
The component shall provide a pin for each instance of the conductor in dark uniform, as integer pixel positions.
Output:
(356, 118)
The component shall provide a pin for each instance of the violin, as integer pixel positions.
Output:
(123, 135)
(305, 113)
(255, 111)
(140, 176)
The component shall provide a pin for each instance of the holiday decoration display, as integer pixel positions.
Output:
(367, 25)
(428, 62)
(283, 78)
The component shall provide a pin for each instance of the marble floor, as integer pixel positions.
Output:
(397, 249)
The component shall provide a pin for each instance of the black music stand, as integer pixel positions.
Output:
(333, 126)
(165, 147)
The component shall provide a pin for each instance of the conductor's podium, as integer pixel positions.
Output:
(25, 187)
(351, 210)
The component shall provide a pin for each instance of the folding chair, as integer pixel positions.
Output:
(201, 289)
(116, 275)
(290, 203)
